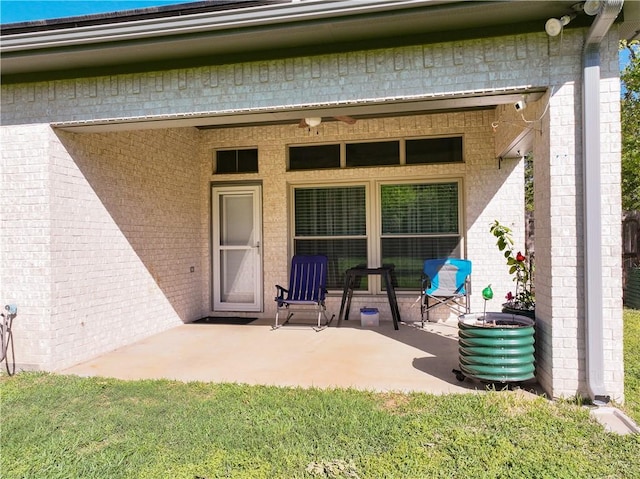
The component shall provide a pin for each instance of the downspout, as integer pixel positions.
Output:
(595, 361)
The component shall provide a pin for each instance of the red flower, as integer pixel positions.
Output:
(520, 257)
(509, 296)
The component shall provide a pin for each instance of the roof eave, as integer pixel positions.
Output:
(259, 32)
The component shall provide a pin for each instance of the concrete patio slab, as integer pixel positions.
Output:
(373, 359)
(377, 358)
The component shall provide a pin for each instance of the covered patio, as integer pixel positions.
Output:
(123, 138)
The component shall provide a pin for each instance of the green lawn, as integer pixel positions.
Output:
(632, 363)
(69, 427)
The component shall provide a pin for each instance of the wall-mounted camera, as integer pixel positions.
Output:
(520, 105)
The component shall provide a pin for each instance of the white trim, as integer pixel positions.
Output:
(373, 216)
(217, 304)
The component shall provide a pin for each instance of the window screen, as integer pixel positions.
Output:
(377, 153)
(434, 150)
(420, 209)
(237, 161)
(314, 157)
(332, 221)
(419, 221)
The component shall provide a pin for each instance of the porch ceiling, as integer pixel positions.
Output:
(190, 36)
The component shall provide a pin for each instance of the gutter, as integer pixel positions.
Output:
(595, 360)
(215, 21)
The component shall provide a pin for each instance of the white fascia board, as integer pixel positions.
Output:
(209, 22)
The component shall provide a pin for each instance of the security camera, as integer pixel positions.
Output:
(520, 105)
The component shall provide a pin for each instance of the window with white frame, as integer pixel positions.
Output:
(404, 151)
(244, 160)
(378, 223)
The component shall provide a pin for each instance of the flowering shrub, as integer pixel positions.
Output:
(520, 267)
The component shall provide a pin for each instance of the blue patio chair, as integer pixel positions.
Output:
(445, 282)
(307, 289)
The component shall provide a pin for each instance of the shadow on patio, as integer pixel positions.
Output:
(378, 359)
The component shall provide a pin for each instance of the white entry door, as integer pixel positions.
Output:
(237, 259)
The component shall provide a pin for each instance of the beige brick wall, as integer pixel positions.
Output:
(131, 202)
(99, 248)
(25, 239)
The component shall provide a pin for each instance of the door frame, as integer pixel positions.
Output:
(216, 189)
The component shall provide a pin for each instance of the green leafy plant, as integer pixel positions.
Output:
(520, 266)
(629, 120)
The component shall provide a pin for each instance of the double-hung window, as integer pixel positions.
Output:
(378, 223)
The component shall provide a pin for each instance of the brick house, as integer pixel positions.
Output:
(155, 167)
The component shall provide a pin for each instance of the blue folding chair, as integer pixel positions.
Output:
(307, 289)
(445, 282)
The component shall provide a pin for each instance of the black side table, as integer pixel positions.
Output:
(350, 280)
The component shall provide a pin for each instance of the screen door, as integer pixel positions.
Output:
(237, 259)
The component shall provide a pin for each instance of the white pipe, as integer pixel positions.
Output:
(595, 361)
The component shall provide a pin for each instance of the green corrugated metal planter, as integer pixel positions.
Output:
(498, 349)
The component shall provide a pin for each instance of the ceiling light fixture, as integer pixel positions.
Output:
(313, 122)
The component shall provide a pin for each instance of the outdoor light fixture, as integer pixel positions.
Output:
(554, 26)
(312, 122)
(592, 7)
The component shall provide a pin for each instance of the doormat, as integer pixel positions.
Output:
(225, 320)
